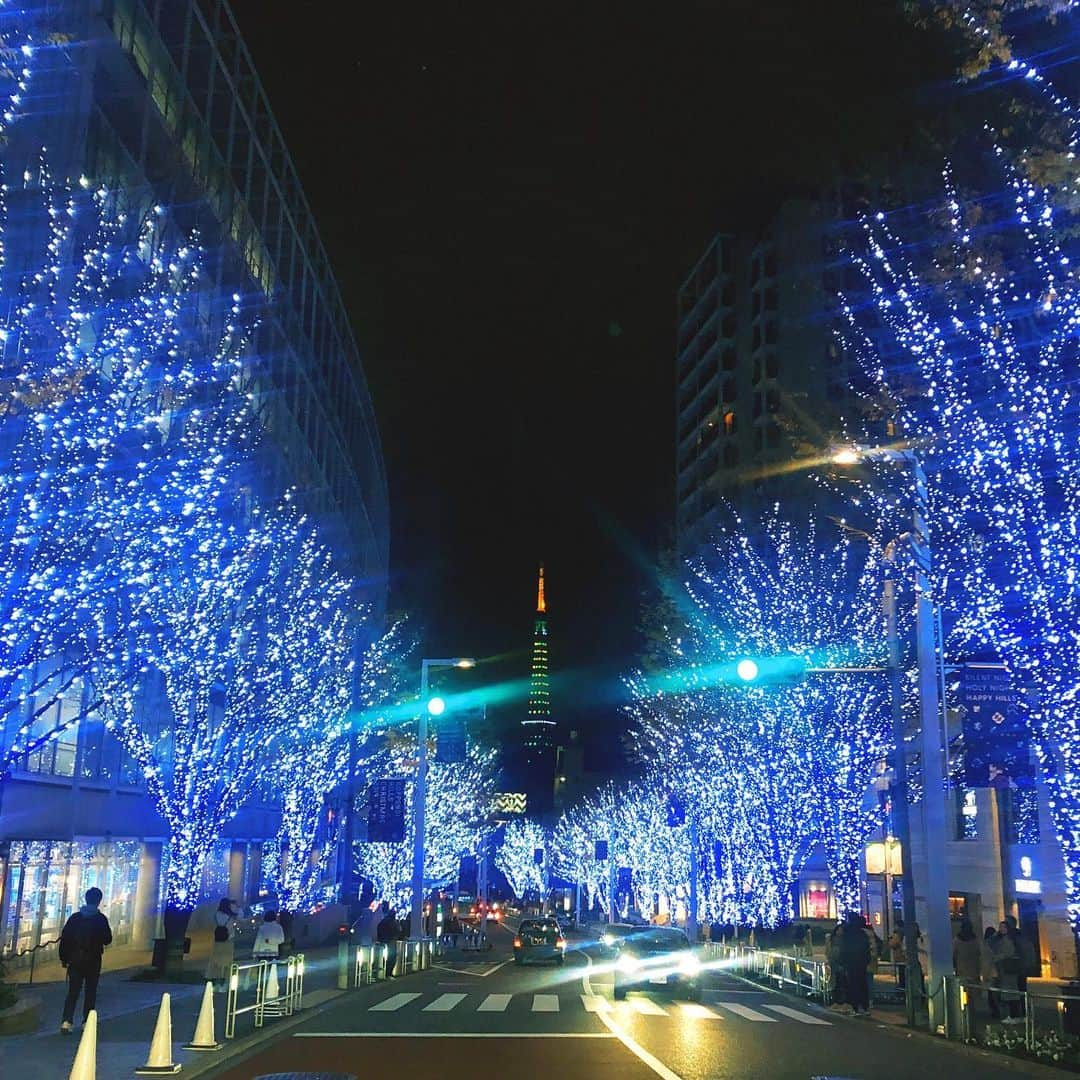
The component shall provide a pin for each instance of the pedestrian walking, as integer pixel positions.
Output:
(855, 961)
(364, 928)
(386, 933)
(82, 943)
(967, 955)
(1008, 964)
(898, 953)
(269, 939)
(988, 966)
(875, 945)
(1029, 962)
(834, 953)
(222, 952)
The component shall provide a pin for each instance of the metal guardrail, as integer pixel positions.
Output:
(800, 975)
(13, 959)
(1039, 1019)
(373, 963)
(274, 996)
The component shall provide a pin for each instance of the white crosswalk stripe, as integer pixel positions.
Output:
(803, 1018)
(392, 1004)
(698, 1012)
(646, 1007)
(745, 1011)
(444, 1002)
(598, 1003)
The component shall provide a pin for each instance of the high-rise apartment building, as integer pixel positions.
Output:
(158, 101)
(760, 377)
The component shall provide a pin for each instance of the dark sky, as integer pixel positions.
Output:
(510, 195)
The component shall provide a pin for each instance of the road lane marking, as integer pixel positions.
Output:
(699, 1012)
(392, 1004)
(637, 1049)
(545, 1003)
(494, 1003)
(455, 1035)
(803, 1018)
(445, 1002)
(475, 974)
(595, 1003)
(647, 1007)
(746, 1012)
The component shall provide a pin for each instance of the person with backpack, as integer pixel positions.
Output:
(82, 942)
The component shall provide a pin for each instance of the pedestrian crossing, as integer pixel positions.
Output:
(636, 1005)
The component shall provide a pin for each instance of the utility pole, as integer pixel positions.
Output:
(900, 816)
(692, 911)
(938, 925)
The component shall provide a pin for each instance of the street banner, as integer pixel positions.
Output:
(997, 745)
(450, 741)
(386, 812)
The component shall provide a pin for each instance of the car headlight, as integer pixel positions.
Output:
(628, 964)
(689, 964)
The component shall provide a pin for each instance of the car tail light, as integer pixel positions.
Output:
(517, 943)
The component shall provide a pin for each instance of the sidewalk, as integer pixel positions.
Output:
(127, 1012)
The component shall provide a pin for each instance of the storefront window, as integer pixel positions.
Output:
(816, 902)
(46, 881)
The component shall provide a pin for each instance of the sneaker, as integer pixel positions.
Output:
(67, 1027)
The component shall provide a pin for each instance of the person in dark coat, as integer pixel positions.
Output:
(386, 933)
(854, 960)
(82, 942)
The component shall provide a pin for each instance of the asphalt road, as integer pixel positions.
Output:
(485, 1016)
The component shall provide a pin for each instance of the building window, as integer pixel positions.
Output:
(56, 756)
(729, 423)
(815, 901)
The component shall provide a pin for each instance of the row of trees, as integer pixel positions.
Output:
(966, 329)
(148, 579)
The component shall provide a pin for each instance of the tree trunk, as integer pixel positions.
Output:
(176, 923)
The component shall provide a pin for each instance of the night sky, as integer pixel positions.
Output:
(511, 195)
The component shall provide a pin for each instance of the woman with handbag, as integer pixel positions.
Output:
(221, 953)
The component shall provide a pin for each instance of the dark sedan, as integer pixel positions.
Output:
(655, 957)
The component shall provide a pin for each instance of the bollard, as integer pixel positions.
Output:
(203, 1038)
(85, 1064)
(160, 1062)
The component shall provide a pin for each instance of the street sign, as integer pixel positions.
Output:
(386, 812)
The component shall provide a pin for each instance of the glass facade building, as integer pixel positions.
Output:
(158, 101)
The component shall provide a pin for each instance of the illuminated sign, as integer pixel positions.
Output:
(1028, 885)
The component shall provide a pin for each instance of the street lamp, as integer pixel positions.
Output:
(747, 670)
(434, 707)
(938, 928)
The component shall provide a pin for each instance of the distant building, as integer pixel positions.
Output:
(538, 728)
(760, 378)
(160, 103)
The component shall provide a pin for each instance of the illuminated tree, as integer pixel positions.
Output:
(974, 342)
(100, 349)
(778, 764)
(517, 854)
(296, 862)
(459, 798)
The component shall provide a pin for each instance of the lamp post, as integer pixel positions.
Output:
(433, 707)
(931, 745)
